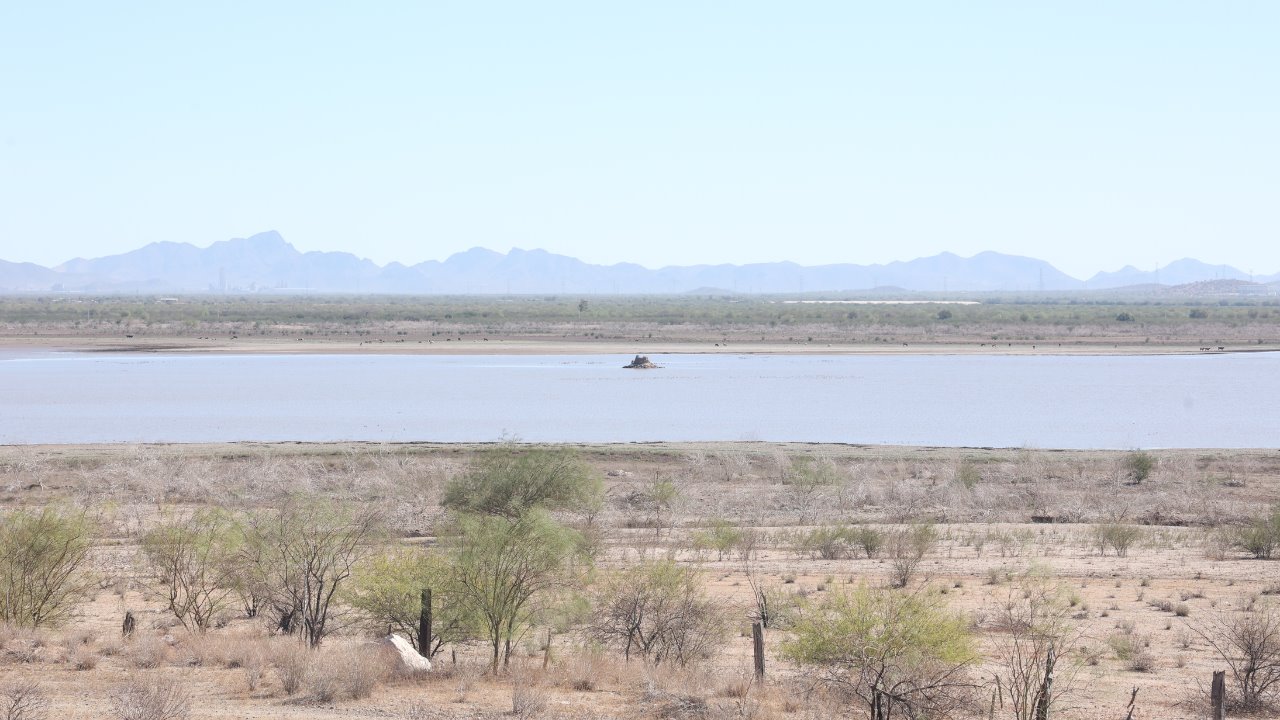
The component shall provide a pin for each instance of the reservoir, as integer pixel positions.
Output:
(1115, 402)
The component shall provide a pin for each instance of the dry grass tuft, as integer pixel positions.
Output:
(147, 652)
(159, 699)
(529, 697)
(347, 672)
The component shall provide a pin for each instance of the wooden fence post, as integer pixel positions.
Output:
(1045, 696)
(757, 645)
(1218, 695)
(424, 625)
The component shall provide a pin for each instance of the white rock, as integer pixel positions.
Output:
(409, 658)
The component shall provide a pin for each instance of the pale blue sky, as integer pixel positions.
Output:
(1092, 134)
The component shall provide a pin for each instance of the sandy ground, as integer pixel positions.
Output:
(977, 565)
(1111, 596)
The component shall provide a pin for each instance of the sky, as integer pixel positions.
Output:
(1090, 134)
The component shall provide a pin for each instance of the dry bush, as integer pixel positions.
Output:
(292, 662)
(253, 667)
(238, 650)
(22, 645)
(1036, 637)
(160, 699)
(529, 697)
(737, 687)
(659, 612)
(111, 647)
(464, 677)
(1249, 643)
(907, 548)
(82, 658)
(147, 652)
(1133, 650)
(23, 700)
(1117, 536)
(347, 672)
(585, 669)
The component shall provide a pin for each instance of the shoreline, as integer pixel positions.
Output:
(246, 448)
(507, 346)
(659, 447)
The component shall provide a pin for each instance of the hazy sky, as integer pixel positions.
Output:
(1092, 134)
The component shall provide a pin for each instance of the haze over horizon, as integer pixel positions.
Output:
(267, 262)
(663, 134)
(461, 251)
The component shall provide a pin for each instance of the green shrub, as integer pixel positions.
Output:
(1138, 466)
(830, 542)
(1260, 537)
(722, 537)
(870, 540)
(968, 475)
(1117, 536)
(919, 650)
(44, 558)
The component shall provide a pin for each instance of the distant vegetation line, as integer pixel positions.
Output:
(998, 317)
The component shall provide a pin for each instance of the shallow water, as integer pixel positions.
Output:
(1222, 401)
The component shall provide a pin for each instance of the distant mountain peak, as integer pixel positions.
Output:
(266, 261)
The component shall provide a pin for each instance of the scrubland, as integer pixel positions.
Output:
(703, 323)
(1141, 564)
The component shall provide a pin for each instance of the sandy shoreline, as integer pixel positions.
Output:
(506, 346)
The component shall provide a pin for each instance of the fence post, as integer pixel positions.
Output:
(1045, 696)
(1218, 695)
(424, 625)
(757, 644)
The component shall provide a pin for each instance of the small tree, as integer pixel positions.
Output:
(807, 480)
(501, 566)
(304, 553)
(43, 565)
(1036, 641)
(387, 590)
(1249, 643)
(908, 547)
(901, 655)
(510, 480)
(659, 611)
(661, 496)
(195, 564)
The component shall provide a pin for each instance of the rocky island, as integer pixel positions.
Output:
(641, 362)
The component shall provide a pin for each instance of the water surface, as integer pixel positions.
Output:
(1224, 401)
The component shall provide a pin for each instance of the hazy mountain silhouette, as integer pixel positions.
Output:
(1179, 272)
(26, 276)
(267, 262)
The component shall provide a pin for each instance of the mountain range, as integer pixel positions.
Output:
(267, 263)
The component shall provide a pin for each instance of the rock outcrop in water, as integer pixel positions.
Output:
(641, 362)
